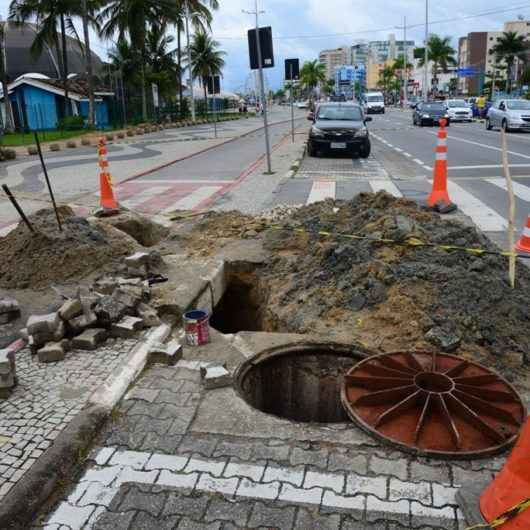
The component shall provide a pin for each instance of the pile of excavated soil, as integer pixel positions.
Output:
(49, 256)
(388, 296)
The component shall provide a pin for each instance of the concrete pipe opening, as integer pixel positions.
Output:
(300, 383)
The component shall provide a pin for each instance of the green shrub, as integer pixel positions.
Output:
(71, 123)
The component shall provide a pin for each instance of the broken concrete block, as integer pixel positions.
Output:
(9, 310)
(70, 309)
(7, 361)
(148, 315)
(59, 332)
(23, 334)
(33, 346)
(112, 308)
(131, 281)
(80, 323)
(43, 324)
(90, 339)
(106, 285)
(51, 352)
(215, 377)
(137, 292)
(137, 272)
(137, 260)
(126, 327)
(66, 344)
(169, 354)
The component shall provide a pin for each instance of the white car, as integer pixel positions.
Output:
(459, 110)
(302, 104)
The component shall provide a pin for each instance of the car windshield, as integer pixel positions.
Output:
(459, 103)
(518, 105)
(373, 99)
(339, 113)
(432, 106)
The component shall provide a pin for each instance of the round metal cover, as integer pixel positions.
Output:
(434, 404)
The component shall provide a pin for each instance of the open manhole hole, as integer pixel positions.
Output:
(300, 383)
(433, 404)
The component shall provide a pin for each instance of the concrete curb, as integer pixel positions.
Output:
(61, 461)
(468, 498)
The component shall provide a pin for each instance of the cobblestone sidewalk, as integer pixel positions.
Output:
(47, 398)
(165, 463)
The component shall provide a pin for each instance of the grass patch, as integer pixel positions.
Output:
(18, 139)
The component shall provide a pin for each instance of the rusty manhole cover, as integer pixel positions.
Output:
(433, 404)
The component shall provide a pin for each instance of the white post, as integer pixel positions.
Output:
(426, 58)
(190, 72)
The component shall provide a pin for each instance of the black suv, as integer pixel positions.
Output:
(430, 113)
(339, 127)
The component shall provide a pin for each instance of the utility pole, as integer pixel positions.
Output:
(426, 59)
(10, 122)
(262, 86)
(88, 62)
(292, 103)
(190, 72)
(405, 62)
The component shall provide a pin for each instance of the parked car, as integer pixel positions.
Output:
(302, 104)
(374, 102)
(339, 127)
(510, 114)
(459, 110)
(412, 101)
(430, 113)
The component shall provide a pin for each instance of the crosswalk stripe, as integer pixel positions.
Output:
(193, 199)
(386, 185)
(483, 216)
(321, 190)
(144, 195)
(519, 190)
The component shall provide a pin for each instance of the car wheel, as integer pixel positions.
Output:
(421, 123)
(311, 150)
(365, 150)
(489, 126)
(505, 126)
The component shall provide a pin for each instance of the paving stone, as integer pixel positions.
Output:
(237, 469)
(227, 486)
(189, 524)
(134, 459)
(138, 498)
(441, 517)
(114, 521)
(143, 394)
(238, 448)
(215, 377)
(249, 488)
(212, 467)
(315, 457)
(289, 493)
(145, 521)
(358, 484)
(334, 501)
(169, 462)
(261, 451)
(377, 510)
(443, 495)
(97, 494)
(311, 520)
(383, 466)
(70, 309)
(173, 398)
(463, 476)
(272, 517)
(128, 474)
(90, 339)
(222, 509)
(346, 462)
(153, 442)
(148, 315)
(177, 480)
(51, 352)
(73, 517)
(292, 475)
(168, 354)
(417, 491)
(420, 471)
(351, 524)
(193, 505)
(334, 481)
(126, 327)
(104, 476)
(205, 446)
(43, 324)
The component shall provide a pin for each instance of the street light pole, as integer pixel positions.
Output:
(426, 57)
(262, 86)
(190, 72)
(405, 61)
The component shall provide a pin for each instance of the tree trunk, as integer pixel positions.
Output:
(89, 71)
(65, 67)
(144, 93)
(179, 74)
(10, 122)
(204, 85)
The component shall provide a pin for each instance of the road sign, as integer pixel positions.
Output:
(466, 72)
(265, 40)
(292, 69)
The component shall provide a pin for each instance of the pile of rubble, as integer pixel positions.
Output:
(112, 307)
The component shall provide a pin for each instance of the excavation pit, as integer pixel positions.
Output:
(300, 383)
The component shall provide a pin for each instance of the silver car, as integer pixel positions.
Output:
(509, 114)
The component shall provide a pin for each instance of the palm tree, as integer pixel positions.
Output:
(47, 14)
(206, 59)
(387, 76)
(440, 53)
(86, 16)
(132, 18)
(311, 74)
(510, 46)
(163, 69)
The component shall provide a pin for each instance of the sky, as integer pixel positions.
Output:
(301, 28)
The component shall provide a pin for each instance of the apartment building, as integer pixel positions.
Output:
(334, 58)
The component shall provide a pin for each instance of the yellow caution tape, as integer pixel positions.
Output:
(410, 242)
(504, 517)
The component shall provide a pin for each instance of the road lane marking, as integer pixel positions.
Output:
(486, 219)
(321, 190)
(193, 199)
(418, 161)
(408, 155)
(385, 185)
(520, 190)
(398, 149)
(487, 166)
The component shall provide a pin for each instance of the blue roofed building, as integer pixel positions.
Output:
(350, 80)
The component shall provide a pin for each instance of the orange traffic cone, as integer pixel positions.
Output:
(108, 202)
(504, 497)
(523, 245)
(439, 198)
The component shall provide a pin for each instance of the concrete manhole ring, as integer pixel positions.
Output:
(433, 404)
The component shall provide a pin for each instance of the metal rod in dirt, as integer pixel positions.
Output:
(47, 180)
(292, 104)
(14, 202)
(262, 92)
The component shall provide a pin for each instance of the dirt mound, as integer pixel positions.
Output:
(395, 296)
(36, 260)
